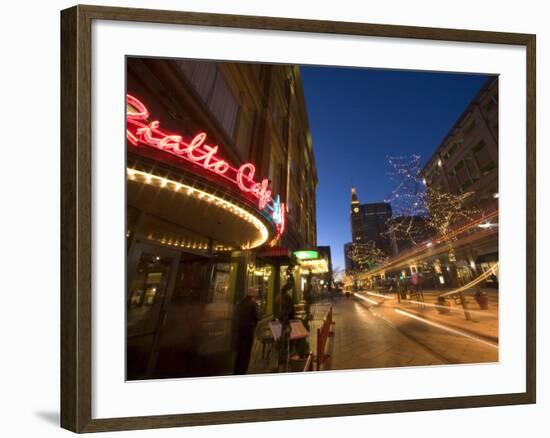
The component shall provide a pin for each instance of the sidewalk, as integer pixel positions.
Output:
(363, 340)
(482, 323)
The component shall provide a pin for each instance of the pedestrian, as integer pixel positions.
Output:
(389, 284)
(414, 281)
(285, 310)
(245, 321)
(403, 287)
(308, 294)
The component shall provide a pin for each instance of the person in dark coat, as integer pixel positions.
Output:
(285, 310)
(246, 319)
(308, 294)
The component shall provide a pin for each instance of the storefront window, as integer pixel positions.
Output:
(221, 283)
(145, 300)
(146, 293)
(464, 274)
(261, 277)
(196, 336)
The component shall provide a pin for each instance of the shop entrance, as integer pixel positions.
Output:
(180, 309)
(196, 338)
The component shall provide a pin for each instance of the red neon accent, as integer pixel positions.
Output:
(245, 173)
(196, 151)
(141, 111)
(132, 138)
(261, 190)
(282, 221)
(140, 133)
(170, 142)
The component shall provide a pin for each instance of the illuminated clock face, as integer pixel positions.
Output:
(355, 210)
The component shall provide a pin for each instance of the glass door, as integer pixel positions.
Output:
(151, 271)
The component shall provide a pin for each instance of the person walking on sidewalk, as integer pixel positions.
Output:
(414, 281)
(285, 310)
(245, 320)
(308, 295)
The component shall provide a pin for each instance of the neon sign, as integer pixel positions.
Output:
(140, 132)
(306, 254)
(279, 210)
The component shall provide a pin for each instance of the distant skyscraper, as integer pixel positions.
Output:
(349, 265)
(369, 223)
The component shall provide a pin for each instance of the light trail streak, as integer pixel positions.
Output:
(366, 299)
(381, 296)
(439, 249)
(422, 247)
(472, 283)
(446, 328)
(452, 309)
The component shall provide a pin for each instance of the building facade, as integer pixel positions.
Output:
(467, 158)
(372, 240)
(349, 266)
(369, 223)
(221, 182)
(466, 161)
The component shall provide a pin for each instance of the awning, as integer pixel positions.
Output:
(188, 206)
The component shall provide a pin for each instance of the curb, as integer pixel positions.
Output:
(471, 332)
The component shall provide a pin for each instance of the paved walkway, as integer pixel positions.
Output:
(473, 320)
(362, 340)
(374, 335)
(375, 331)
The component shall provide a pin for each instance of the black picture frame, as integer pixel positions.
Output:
(76, 217)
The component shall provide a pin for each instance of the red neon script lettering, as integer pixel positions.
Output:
(245, 181)
(139, 132)
(261, 190)
(206, 155)
(140, 111)
(282, 223)
(245, 174)
(197, 150)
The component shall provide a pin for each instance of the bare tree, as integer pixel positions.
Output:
(420, 209)
(408, 199)
(445, 210)
(364, 257)
(337, 274)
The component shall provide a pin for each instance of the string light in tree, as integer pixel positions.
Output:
(421, 209)
(408, 199)
(364, 257)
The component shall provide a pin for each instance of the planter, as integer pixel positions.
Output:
(482, 299)
(443, 305)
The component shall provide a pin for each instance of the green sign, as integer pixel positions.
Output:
(306, 254)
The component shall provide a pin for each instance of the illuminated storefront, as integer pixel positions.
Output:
(202, 227)
(315, 266)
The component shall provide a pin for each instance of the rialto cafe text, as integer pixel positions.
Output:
(140, 132)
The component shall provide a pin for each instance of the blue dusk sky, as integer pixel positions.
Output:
(359, 117)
